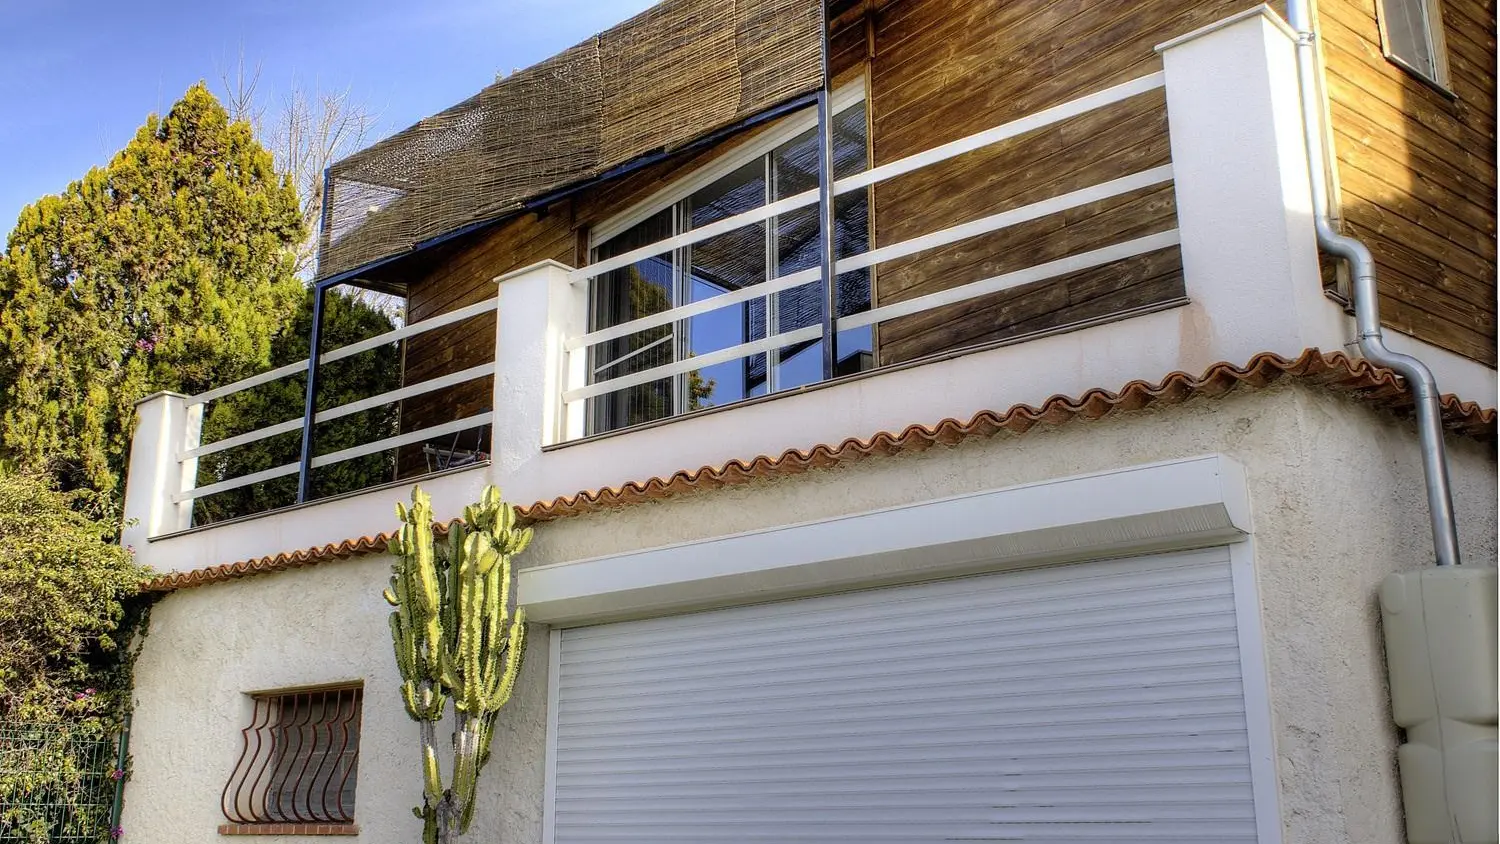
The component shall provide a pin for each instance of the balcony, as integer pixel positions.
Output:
(575, 380)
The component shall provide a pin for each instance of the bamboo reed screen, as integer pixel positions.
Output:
(666, 77)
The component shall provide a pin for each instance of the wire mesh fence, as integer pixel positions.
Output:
(57, 783)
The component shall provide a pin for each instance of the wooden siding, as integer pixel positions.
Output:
(451, 278)
(1416, 171)
(943, 70)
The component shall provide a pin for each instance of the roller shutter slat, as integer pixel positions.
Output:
(1083, 703)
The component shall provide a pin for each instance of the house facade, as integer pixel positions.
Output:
(940, 420)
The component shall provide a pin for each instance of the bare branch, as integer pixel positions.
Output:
(239, 92)
(310, 130)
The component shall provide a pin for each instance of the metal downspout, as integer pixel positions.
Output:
(1366, 305)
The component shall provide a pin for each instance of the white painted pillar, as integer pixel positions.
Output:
(538, 310)
(1244, 205)
(166, 425)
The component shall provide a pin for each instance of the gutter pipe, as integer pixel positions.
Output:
(1366, 305)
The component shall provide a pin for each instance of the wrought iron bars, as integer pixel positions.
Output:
(299, 760)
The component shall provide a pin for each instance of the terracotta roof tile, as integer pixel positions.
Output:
(1335, 371)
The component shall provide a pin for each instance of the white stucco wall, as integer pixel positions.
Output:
(206, 647)
(1335, 490)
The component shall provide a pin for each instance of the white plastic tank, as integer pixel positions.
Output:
(1440, 647)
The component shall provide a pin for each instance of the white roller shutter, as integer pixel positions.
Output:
(1094, 702)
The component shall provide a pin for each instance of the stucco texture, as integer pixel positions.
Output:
(206, 648)
(1337, 504)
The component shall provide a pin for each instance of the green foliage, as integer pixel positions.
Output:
(56, 785)
(347, 318)
(169, 268)
(455, 637)
(63, 592)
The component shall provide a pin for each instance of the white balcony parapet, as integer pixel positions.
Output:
(1250, 265)
(539, 309)
(161, 486)
(1244, 204)
(165, 424)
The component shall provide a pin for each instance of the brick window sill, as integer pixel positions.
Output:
(288, 829)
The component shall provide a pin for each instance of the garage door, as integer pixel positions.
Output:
(1095, 702)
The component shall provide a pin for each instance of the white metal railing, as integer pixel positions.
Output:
(576, 393)
(193, 452)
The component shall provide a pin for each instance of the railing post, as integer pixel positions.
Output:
(1244, 207)
(538, 309)
(166, 425)
(310, 406)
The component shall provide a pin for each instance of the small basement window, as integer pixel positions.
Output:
(299, 761)
(1411, 35)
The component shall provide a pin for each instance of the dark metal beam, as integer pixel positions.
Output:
(310, 405)
(826, 225)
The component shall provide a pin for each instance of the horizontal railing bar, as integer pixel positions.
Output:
(665, 338)
(243, 439)
(1006, 281)
(1041, 272)
(974, 228)
(1012, 217)
(427, 386)
(723, 300)
(787, 338)
(1005, 131)
(688, 238)
(403, 439)
(350, 350)
(953, 149)
(246, 383)
(235, 483)
(409, 330)
(341, 411)
(338, 456)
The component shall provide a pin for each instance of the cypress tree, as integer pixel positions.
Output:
(171, 268)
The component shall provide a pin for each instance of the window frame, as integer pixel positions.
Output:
(1432, 20)
(674, 198)
(685, 186)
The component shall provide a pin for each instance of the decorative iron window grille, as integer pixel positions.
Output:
(300, 757)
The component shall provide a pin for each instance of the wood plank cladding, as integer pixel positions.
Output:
(1417, 173)
(942, 70)
(451, 278)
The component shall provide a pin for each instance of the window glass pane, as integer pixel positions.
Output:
(798, 246)
(852, 237)
(1407, 36)
(728, 263)
(724, 264)
(641, 289)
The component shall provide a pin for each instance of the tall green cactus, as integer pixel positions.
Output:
(456, 637)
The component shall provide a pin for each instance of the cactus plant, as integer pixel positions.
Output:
(455, 637)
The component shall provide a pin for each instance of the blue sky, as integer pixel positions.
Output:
(77, 77)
